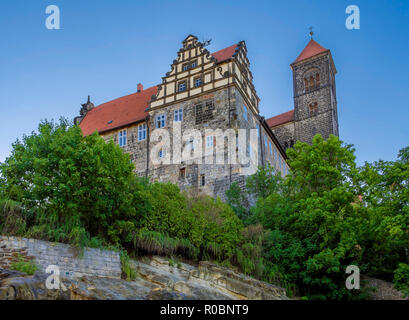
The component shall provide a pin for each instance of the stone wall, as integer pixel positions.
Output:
(72, 261)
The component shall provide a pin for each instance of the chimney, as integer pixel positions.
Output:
(140, 87)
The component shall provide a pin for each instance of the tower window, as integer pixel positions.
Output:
(312, 83)
(317, 80)
(313, 108)
(306, 85)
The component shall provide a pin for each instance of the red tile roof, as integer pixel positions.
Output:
(131, 108)
(225, 53)
(281, 119)
(312, 49)
(121, 111)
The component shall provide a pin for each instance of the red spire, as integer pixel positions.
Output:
(312, 49)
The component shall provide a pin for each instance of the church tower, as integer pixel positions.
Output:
(315, 103)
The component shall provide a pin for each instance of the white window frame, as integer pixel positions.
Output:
(178, 115)
(210, 141)
(182, 84)
(160, 121)
(161, 153)
(198, 82)
(142, 132)
(122, 138)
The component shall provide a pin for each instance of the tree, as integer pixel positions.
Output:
(71, 187)
(311, 217)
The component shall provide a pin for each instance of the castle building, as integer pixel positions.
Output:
(200, 128)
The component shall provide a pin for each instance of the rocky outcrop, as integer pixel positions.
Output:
(381, 290)
(157, 279)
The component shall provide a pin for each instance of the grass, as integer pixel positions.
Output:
(24, 266)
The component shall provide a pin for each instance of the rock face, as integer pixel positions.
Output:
(156, 280)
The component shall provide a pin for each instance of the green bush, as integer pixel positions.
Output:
(24, 266)
(401, 279)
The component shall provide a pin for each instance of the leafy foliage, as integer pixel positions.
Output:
(328, 214)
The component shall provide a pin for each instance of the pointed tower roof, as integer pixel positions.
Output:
(312, 49)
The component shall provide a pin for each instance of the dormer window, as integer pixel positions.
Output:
(182, 86)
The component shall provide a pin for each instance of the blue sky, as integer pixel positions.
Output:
(104, 48)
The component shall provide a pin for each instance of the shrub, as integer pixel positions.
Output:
(401, 278)
(24, 266)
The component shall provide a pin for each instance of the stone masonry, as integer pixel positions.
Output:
(71, 261)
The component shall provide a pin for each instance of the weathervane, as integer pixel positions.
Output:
(311, 32)
(206, 42)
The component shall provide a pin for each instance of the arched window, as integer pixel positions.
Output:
(306, 85)
(313, 108)
(312, 83)
(317, 80)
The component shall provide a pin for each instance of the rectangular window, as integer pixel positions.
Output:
(198, 82)
(210, 141)
(161, 153)
(182, 86)
(258, 130)
(249, 149)
(271, 149)
(185, 67)
(194, 64)
(182, 172)
(266, 143)
(245, 113)
(202, 181)
(178, 115)
(142, 132)
(122, 138)
(160, 121)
